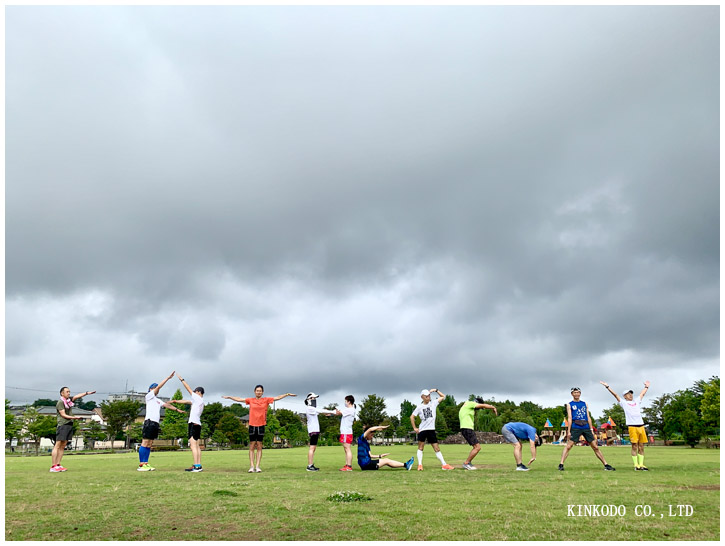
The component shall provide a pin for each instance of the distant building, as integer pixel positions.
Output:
(132, 395)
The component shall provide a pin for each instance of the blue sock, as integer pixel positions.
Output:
(143, 454)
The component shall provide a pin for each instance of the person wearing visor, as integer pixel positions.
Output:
(197, 407)
(151, 425)
(313, 428)
(514, 433)
(635, 423)
(579, 423)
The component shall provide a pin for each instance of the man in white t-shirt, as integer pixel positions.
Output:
(427, 430)
(635, 423)
(197, 407)
(348, 417)
(151, 425)
(313, 427)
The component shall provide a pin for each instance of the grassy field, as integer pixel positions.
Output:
(102, 497)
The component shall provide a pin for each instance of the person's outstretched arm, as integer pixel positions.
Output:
(235, 398)
(157, 389)
(644, 391)
(283, 396)
(487, 406)
(168, 405)
(81, 395)
(186, 385)
(610, 390)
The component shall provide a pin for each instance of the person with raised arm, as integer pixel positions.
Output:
(257, 422)
(427, 430)
(635, 423)
(64, 431)
(151, 424)
(367, 461)
(197, 407)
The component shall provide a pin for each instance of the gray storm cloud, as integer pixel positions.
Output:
(374, 197)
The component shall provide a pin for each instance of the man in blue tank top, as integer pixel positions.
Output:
(367, 461)
(579, 423)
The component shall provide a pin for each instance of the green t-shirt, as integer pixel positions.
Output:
(465, 415)
(60, 406)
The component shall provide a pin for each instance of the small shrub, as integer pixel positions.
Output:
(224, 493)
(348, 496)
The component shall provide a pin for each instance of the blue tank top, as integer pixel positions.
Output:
(579, 413)
(363, 451)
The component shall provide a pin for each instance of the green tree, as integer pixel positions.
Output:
(218, 437)
(135, 432)
(654, 415)
(372, 411)
(677, 421)
(88, 406)
(232, 429)
(710, 404)
(237, 409)
(92, 432)
(37, 427)
(616, 412)
(12, 424)
(175, 424)
(119, 415)
(40, 402)
(691, 427)
(211, 414)
(271, 430)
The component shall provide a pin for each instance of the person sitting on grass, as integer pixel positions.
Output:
(197, 407)
(514, 433)
(367, 461)
(635, 423)
(151, 425)
(64, 431)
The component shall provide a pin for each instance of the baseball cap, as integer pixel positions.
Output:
(425, 392)
(153, 386)
(629, 391)
(312, 395)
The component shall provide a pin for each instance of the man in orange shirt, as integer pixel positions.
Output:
(257, 421)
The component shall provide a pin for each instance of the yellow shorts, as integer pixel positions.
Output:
(637, 435)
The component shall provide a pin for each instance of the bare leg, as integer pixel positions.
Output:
(391, 463)
(597, 452)
(517, 453)
(474, 451)
(565, 454)
(348, 454)
(58, 450)
(634, 449)
(640, 449)
(251, 454)
(195, 450)
(311, 455)
(259, 453)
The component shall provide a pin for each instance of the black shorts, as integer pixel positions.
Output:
(577, 433)
(429, 435)
(64, 433)
(314, 437)
(370, 465)
(150, 430)
(194, 431)
(469, 436)
(256, 434)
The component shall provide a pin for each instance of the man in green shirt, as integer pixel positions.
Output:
(465, 416)
(64, 432)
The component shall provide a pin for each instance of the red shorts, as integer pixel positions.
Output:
(345, 438)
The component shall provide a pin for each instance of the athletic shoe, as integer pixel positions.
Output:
(55, 468)
(467, 466)
(144, 468)
(312, 468)
(522, 467)
(197, 468)
(147, 465)
(609, 467)
(250, 471)
(346, 468)
(60, 468)
(637, 468)
(561, 467)
(190, 469)
(409, 464)
(446, 467)
(642, 468)
(257, 469)
(420, 467)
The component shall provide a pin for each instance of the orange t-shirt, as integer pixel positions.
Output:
(258, 410)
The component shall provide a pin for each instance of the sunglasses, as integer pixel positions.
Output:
(576, 389)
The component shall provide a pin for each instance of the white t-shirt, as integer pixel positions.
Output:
(313, 424)
(348, 416)
(197, 406)
(427, 413)
(632, 412)
(153, 407)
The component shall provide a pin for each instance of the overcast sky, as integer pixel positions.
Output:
(507, 201)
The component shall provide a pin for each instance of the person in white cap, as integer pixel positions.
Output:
(635, 423)
(313, 427)
(427, 430)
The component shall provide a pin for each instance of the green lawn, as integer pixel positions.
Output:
(102, 497)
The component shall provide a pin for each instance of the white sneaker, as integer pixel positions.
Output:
(250, 470)
(257, 469)
(469, 467)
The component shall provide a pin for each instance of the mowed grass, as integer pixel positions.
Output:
(103, 497)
